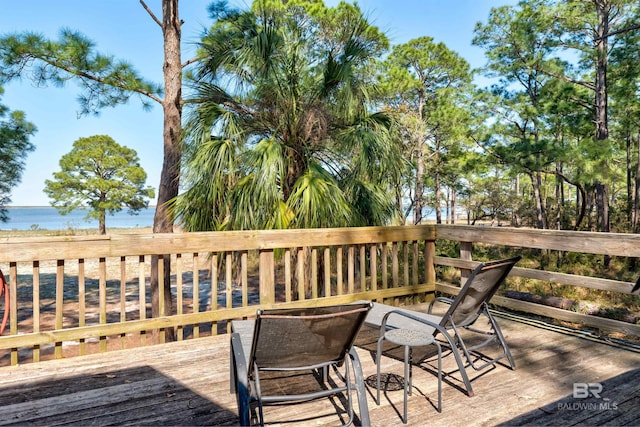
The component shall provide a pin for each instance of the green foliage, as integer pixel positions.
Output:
(284, 88)
(105, 81)
(101, 175)
(426, 86)
(288, 88)
(15, 132)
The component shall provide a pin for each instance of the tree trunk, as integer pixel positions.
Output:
(629, 161)
(172, 108)
(636, 197)
(168, 189)
(602, 203)
(417, 210)
(559, 195)
(453, 205)
(601, 43)
(603, 8)
(581, 206)
(437, 196)
(437, 191)
(101, 223)
(515, 219)
(536, 181)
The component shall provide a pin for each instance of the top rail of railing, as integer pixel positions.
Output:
(76, 247)
(613, 244)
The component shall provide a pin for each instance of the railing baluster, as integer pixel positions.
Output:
(327, 271)
(363, 268)
(214, 290)
(314, 273)
(179, 295)
(266, 277)
(36, 306)
(414, 265)
(287, 275)
(228, 284)
(142, 296)
(394, 265)
(300, 275)
(228, 279)
(59, 304)
(351, 269)
(161, 304)
(384, 267)
(339, 260)
(405, 252)
(123, 298)
(103, 300)
(244, 271)
(373, 253)
(82, 302)
(196, 292)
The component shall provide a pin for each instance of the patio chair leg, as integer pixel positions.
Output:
(463, 372)
(407, 380)
(363, 407)
(456, 354)
(378, 356)
(503, 343)
(439, 376)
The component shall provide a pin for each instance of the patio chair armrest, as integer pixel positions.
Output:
(402, 313)
(445, 300)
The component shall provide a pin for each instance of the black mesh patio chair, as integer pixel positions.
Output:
(464, 310)
(315, 339)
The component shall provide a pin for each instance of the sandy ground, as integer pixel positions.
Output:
(122, 299)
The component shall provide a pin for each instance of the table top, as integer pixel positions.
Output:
(410, 337)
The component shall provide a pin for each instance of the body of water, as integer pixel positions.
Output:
(48, 218)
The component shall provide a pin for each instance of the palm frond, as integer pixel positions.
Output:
(317, 201)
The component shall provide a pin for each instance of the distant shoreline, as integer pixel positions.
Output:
(51, 218)
(73, 232)
(49, 206)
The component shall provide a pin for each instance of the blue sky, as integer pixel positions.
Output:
(122, 28)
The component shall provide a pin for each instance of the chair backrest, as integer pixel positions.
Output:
(305, 337)
(480, 287)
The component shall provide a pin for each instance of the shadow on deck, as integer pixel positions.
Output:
(563, 377)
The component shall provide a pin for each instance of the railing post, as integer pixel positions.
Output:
(267, 277)
(429, 264)
(465, 254)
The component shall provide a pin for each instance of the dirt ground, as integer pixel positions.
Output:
(122, 302)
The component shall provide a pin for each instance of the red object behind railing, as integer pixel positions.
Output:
(4, 288)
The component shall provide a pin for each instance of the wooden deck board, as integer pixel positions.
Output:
(187, 383)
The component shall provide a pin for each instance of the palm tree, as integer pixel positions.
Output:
(279, 130)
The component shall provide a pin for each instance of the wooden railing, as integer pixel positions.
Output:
(77, 295)
(69, 292)
(611, 244)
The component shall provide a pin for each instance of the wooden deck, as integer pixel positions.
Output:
(187, 383)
